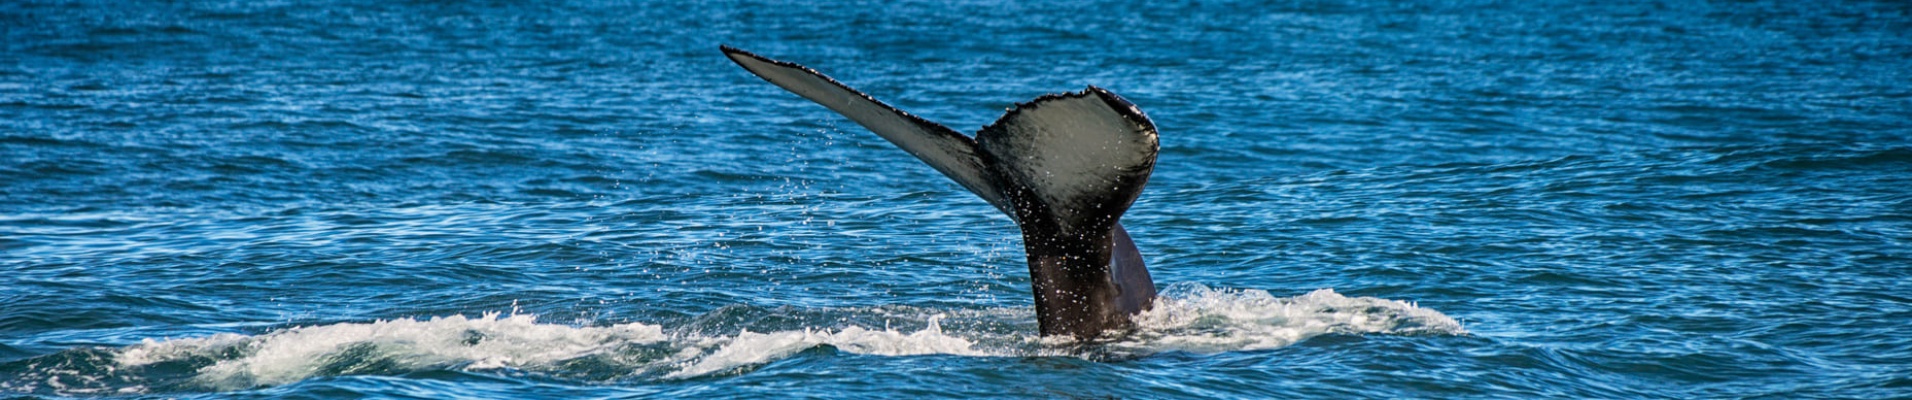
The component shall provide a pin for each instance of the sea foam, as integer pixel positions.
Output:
(1188, 317)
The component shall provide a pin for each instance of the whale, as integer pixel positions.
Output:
(1064, 167)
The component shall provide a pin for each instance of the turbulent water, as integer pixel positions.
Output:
(1367, 199)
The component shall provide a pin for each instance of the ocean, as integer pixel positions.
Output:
(585, 199)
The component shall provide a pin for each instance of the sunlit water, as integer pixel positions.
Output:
(1354, 199)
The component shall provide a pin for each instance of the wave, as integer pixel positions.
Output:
(1187, 318)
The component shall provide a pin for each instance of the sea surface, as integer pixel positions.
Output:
(1354, 199)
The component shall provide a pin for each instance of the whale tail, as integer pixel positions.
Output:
(1064, 167)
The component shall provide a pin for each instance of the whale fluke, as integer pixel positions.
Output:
(942, 148)
(1064, 167)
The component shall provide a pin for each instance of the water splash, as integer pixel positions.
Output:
(487, 342)
(1187, 318)
(1193, 317)
(749, 348)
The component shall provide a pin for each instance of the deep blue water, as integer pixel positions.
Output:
(1423, 199)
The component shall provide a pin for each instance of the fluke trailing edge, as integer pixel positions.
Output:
(1063, 166)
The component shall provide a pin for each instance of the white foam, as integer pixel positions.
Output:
(294, 354)
(1192, 317)
(1186, 318)
(495, 341)
(749, 348)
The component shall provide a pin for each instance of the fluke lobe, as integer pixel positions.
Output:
(1063, 166)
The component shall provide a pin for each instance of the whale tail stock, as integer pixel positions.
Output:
(1064, 167)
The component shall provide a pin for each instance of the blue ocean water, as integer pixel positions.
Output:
(1367, 199)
